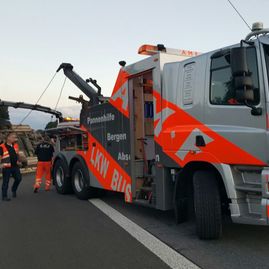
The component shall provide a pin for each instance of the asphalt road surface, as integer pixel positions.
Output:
(47, 230)
(241, 246)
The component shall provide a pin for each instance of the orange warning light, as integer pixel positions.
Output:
(148, 50)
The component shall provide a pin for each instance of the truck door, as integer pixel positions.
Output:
(225, 115)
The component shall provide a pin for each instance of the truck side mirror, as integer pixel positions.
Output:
(241, 95)
(243, 88)
(241, 76)
(239, 60)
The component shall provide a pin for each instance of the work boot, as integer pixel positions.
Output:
(6, 199)
(14, 194)
(35, 190)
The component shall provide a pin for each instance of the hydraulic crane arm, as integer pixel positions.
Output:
(44, 109)
(80, 83)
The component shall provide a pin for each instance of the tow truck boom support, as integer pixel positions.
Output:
(80, 83)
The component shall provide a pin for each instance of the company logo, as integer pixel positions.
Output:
(122, 94)
(119, 98)
(190, 143)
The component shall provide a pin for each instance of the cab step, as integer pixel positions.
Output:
(246, 187)
(146, 189)
(250, 218)
(143, 202)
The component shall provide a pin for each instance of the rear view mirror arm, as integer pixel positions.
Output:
(255, 111)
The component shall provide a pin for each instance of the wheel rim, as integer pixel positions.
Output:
(60, 176)
(78, 181)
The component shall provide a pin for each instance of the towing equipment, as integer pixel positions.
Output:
(181, 131)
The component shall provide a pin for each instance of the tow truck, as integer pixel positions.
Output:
(182, 131)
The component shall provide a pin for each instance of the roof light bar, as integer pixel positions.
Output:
(152, 50)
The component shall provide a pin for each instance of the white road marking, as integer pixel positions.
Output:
(168, 255)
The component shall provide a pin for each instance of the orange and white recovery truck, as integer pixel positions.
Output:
(181, 131)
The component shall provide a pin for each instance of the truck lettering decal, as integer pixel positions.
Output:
(114, 180)
(158, 126)
(104, 167)
(158, 116)
(123, 186)
(98, 156)
(122, 94)
(106, 170)
(92, 154)
(99, 161)
(116, 137)
(118, 183)
(128, 193)
(104, 118)
(119, 98)
(124, 156)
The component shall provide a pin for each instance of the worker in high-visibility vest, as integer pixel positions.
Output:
(44, 152)
(10, 162)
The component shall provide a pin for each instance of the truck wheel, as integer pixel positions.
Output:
(60, 176)
(207, 205)
(80, 178)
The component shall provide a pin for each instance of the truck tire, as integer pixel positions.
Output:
(80, 179)
(60, 177)
(207, 205)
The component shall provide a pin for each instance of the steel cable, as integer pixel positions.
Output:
(28, 114)
(60, 94)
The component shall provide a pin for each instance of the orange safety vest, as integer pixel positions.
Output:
(6, 157)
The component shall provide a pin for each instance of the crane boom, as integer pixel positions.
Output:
(36, 107)
(80, 83)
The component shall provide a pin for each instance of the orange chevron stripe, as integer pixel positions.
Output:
(181, 124)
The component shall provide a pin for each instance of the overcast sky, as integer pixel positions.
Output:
(36, 36)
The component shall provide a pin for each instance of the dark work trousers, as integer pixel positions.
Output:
(7, 173)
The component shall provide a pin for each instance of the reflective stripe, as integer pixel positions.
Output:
(37, 184)
(5, 160)
(38, 181)
(16, 147)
